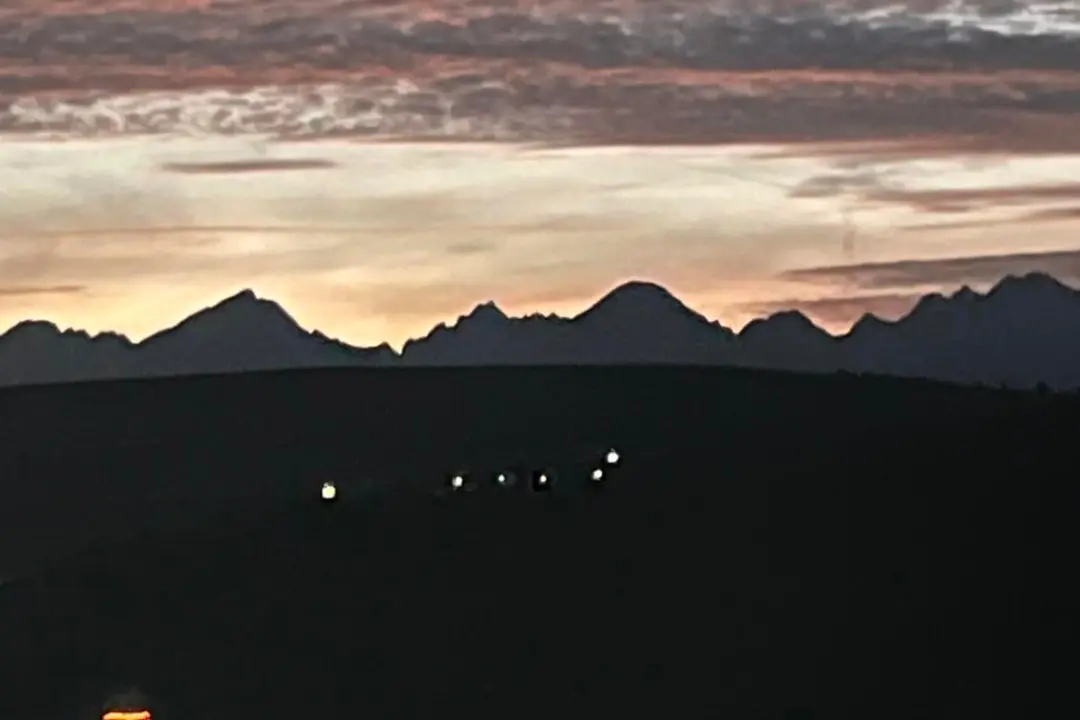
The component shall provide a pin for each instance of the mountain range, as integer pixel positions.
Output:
(1023, 332)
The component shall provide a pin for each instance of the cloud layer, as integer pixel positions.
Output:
(977, 271)
(992, 76)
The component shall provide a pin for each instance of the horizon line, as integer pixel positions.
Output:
(611, 292)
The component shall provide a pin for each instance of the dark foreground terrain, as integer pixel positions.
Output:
(772, 546)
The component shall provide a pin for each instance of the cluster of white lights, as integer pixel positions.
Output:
(611, 459)
(458, 481)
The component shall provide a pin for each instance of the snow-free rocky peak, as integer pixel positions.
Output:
(641, 301)
(240, 316)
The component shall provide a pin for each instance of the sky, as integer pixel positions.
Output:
(380, 166)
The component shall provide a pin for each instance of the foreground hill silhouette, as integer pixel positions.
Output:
(774, 545)
(1023, 332)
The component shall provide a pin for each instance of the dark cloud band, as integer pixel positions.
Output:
(344, 35)
(235, 167)
(941, 273)
(657, 72)
(25, 290)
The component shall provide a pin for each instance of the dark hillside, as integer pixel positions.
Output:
(772, 546)
(89, 460)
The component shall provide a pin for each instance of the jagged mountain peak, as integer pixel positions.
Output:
(1018, 293)
(785, 320)
(486, 312)
(487, 317)
(1034, 284)
(246, 295)
(867, 322)
(247, 302)
(45, 330)
(243, 314)
(966, 294)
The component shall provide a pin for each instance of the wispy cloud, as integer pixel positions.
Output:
(940, 273)
(236, 167)
(1024, 217)
(150, 233)
(870, 187)
(969, 199)
(25, 290)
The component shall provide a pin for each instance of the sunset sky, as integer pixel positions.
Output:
(380, 166)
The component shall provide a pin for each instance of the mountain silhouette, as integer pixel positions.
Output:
(244, 333)
(1022, 332)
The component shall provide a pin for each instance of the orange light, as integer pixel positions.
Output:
(137, 715)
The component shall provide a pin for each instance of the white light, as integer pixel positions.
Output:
(502, 479)
(457, 482)
(542, 479)
(329, 491)
(612, 457)
(598, 474)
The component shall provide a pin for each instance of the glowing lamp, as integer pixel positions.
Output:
(612, 457)
(457, 482)
(543, 480)
(126, 715)
(597, 475)
(329, 492)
